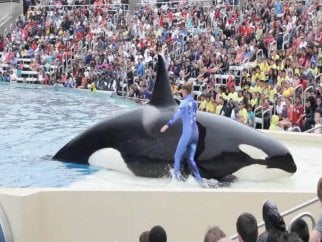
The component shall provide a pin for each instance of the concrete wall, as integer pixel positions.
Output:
(66, 215)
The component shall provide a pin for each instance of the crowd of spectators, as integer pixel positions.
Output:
(244, 57)
(247, 230)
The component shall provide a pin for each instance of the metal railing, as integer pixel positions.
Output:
(5, 226)
(286, 213)
(303, 215)
(305, 96)
(315, 128)
(260, 120)
(298, 87)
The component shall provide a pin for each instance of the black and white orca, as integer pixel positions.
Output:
(132, 143)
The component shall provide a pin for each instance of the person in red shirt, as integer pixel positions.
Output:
(298, 110)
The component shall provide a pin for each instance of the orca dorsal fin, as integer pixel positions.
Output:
(162, 95)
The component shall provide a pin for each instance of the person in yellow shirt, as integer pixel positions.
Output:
(220, 105)
(254, 100)
(279, 65)
(281, 77)
(260, 74)
(274, 55)
(257, 87)
(271, 93)
(225, 94)
(233, 94)
(243, 112)
(288, 90)
(210, 105)
(203, 103)
(264, 66)
(240, 96)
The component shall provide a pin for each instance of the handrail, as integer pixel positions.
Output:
(303, 215)
(255, 111)
(5, 226)
(310, 130)
(287, 212)
(295, 89)
(304, 95)
(80, 5)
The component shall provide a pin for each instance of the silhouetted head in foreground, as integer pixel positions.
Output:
(301, 228)
(247, 228)
(157, 234)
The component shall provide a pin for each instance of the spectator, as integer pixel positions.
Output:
(287, 115)
(144, 237)
(214, 234)
(273, 220)
(292, 237)
(317, 121)
(273, 235)
(301, 228)
(247, 228)
(157, 234)
(316, 234)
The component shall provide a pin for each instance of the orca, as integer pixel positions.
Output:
(132, 143)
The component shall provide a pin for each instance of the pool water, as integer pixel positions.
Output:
(36, 123)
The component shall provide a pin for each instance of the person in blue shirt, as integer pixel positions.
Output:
(190, 133)
(278, 7)
(140, 67)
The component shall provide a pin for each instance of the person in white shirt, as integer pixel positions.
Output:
(317, 121)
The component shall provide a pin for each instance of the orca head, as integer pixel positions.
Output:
(227, 147)
(267, 163)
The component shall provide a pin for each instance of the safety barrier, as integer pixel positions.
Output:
(5, 230)
(291, 211)
(260, 119)
(310, 88)
(298, 87)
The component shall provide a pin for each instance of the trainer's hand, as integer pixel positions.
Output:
(164, 128)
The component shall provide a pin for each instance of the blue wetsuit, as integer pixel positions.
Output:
(189, 138)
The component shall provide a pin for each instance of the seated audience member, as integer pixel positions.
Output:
(287, 115)
(272, 219)
(247, 228)
(273, 235)
(317, 121)
(316, 234)
(289, 237)
(157, 234)
(203, 103)
(144, 237)
(215, 234)
(301, 228)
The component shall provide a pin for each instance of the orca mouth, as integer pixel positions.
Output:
(283, 162)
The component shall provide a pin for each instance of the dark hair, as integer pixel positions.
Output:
(157, 234)
(247, 227)
(289, 237)
(144, 237)
(300, 228)
(273, 235)
(214, 234)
